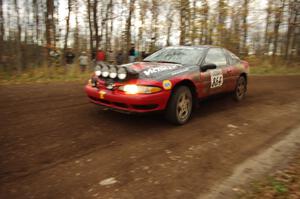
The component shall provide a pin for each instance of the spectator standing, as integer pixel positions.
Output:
(120, 58)
(54, 55)
(93, 55)
(132, 54)
(100, 56)
(110, 57)
(69, 57)
(83, 60)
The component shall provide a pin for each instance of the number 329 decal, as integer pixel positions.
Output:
(216, 78)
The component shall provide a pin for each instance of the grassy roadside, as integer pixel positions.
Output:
(282, 184)
(267, 66)
(277, 70)
(73, 73)
(46, 75)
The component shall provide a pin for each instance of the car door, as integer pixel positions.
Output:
(232, 72)
(218, 81)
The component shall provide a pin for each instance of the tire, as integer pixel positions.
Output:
(180, 106)
(240, 89)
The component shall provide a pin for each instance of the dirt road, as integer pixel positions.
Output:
(55, 144)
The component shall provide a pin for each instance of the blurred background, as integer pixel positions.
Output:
(45, 40)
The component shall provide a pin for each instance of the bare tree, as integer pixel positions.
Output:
(222, 11)
(95, 20)
(154, 25)
(278, 20)
(18, 39)
(204, 33)
(268, 23)
(89, 10)
(143, 10)
(1, 25)
(68, 24)
(170, 21)
(293, 25)
(76, 31)
(108, 17)
(193, 22)
(128, 24)
(183, 8)
(245, 24)
(50, 32)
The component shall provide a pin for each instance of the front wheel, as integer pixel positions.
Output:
(180, 106)
(240, 89)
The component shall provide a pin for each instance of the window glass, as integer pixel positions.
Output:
(233, 59)
(216, 56)
(181, 55)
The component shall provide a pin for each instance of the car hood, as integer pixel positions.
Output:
(155, 70)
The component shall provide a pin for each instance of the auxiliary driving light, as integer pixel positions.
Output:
(122, 73)
(98, 70)
(105, 71)
(113, 72)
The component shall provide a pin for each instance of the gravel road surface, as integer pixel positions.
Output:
(55, 144)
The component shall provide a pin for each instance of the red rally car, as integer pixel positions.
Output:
(172, 79)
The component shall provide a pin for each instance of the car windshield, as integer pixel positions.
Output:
(180, 55)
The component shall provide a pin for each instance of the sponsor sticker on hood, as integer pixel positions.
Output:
(153, 70)
(158, 69)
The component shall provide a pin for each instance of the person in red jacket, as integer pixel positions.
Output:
(100, 56)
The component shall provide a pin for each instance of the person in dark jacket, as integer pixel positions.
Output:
(132, 54)
(120, 58)
(69, 57)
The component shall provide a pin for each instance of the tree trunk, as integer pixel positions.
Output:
(128, 25)
(193, 23)
(37, 19)
(111, 24)
(67, 25)
(169, 26)
(143, 10)
(89, 10)
(49, 27)
(108, 16)
(292, 23)
(183, 20)
(18, 39)
(268, 18)
(95, 10)
(278, 21)
(1, 26)
(154, 25)
(245, 25)
(204, 36)
(77, 46)
(222, 15)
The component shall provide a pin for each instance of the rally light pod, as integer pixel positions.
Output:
(113, 72)
(122, 73)
(105, 71)
(98, 70)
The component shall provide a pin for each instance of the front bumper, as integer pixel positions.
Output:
(119, 101)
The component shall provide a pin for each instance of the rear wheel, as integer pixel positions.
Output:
(240, 89)
(180, 106)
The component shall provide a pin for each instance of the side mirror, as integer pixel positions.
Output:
(207, 67)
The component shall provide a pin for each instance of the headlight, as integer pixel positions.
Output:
(105, 71)
(113, 72)
(98, 70)
(138, 89)
(122, 73)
